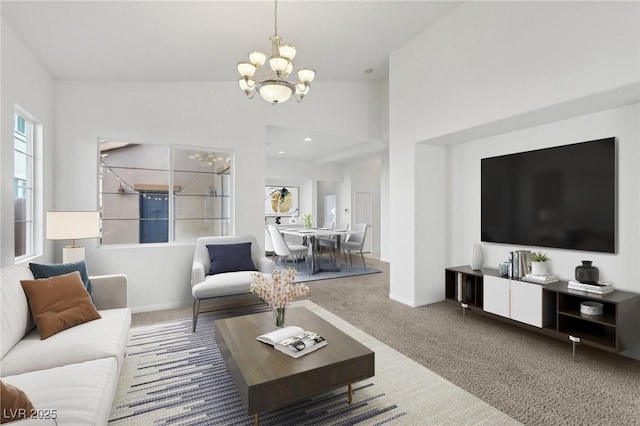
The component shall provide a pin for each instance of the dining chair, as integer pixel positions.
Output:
(330, 242)
(268, 243)
(285, 250)
(355, 242)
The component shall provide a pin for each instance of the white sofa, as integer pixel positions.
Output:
(205, 286)
(74, 373)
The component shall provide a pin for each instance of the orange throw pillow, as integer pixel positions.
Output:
(14, 404)
(58, 303)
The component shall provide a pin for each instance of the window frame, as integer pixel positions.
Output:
(32, 187)
(225, 224)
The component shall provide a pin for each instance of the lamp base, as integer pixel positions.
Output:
(72, 254)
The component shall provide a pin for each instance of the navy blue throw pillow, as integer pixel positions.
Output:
(48, 270)
(230, 258)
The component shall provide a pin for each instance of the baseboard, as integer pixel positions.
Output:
(414, 303)
(159, 307)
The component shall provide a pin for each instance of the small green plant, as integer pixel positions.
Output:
(539, 256)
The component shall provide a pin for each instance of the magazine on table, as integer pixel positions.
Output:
(293, 341)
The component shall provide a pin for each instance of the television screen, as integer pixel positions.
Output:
(561, 197)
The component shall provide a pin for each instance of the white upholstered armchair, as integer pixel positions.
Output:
(225, 271)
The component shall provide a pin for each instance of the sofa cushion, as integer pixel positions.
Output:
(103, 338)
(14, 404)
(223, 284)
(47, 270)
(15, 316)
(58, 303)
(230, 258)
(79, 394)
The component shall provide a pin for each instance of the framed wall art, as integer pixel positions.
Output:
(281, 201)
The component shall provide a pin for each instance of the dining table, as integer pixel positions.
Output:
(311, 236)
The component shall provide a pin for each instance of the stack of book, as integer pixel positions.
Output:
(519, 263)
(541, 279)
(596, 288)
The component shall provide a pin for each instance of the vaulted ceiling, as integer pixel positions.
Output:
(203, 41)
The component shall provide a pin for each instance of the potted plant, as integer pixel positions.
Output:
(539, 265)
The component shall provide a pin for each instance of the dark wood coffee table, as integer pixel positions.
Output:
(267, 379)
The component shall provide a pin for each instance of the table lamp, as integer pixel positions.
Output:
(73, 226)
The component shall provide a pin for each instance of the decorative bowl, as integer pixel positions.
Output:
(591, 308)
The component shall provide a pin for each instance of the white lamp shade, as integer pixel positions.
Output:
(278, 63)
(302, 89)
(73, 225)
(288, 70)
(257, 58)
(288, 51)
(247, 84)
(246, 69)
(275, 92)
(306, 75)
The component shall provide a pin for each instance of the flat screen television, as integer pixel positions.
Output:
(560, 197)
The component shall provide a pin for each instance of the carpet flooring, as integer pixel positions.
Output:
(529, 376)
(173, 376)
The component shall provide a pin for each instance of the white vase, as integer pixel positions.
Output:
(476, 257)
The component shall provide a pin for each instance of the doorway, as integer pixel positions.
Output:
(364, 214)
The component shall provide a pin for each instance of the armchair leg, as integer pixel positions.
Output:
(362, 256)
(196, 311)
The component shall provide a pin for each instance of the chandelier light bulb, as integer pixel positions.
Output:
(288, 51)
(278, 63)
(302, 89)
(247, 84)
(288, 70)
(257, 58)
(246, 69)
(275, 92)
(306, 75)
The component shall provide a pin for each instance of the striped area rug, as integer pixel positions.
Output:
(172, 376)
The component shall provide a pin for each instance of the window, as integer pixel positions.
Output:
(158, 194)
(23, 189)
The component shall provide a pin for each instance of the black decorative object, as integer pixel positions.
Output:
(278, 220)
(586, 273)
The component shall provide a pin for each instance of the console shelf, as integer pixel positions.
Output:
(614, 331)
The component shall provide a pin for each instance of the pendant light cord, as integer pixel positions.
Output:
(275, 13)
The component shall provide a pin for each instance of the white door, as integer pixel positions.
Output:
(364, 214)
(329, 208)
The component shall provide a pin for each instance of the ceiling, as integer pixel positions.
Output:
(203, 41)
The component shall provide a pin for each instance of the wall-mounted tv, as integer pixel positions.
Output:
(560, 197)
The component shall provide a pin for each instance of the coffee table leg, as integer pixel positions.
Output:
(256, 419)
(349, 393)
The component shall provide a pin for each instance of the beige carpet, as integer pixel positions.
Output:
(528, 376)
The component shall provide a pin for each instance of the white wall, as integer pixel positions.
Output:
(510, 63)
(342, 179)
(212, 115)
(24, 83)
(624, 123)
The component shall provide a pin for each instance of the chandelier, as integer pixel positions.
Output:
(273, 85)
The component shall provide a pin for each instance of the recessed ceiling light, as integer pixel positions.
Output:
(307, 139)
(280, 152)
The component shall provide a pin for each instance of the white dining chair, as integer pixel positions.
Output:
(268, 243)
(329, 242)
(284, 250)
(355, 242)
